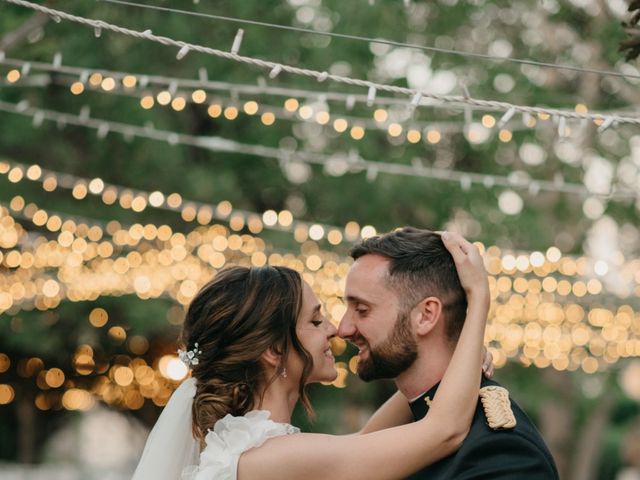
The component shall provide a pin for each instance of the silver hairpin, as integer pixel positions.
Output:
(190, 357)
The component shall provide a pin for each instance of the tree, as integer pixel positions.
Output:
(482, 143)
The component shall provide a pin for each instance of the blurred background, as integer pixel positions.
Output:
(132, 171)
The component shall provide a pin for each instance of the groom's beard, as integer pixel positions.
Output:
(393, 356)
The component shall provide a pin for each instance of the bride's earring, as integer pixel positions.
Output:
(284, 373)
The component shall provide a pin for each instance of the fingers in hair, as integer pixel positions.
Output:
(456, 243)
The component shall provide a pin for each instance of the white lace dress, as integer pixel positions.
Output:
(230, 437)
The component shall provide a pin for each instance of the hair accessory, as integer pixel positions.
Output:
(190, 357)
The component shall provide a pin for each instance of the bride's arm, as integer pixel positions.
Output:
(395, 411)
(395, 452)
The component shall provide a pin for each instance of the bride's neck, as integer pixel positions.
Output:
(280, 399)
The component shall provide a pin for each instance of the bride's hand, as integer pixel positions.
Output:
(487, 363)
(470, 267)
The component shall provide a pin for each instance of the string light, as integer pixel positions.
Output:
(251, 107)
(359, 164)
(77, 88)
(321, 76)
(497, 263)
(526, 323)
(529, 321)
(13, 76)
(127, 268)
(199, 95)
(495, 58)
(551, 334)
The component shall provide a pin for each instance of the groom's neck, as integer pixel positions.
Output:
(426, 371)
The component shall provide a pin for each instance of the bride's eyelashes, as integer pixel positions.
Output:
(318, 320)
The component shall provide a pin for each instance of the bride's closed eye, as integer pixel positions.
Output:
(318, 319)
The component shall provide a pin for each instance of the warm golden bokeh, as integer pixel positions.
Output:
(547, 309)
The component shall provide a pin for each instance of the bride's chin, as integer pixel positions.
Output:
(322, 377)
(333, 376)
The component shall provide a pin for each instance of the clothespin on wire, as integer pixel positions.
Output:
(237, 41)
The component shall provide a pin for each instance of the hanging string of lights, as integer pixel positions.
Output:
(190, 211)
(381, 41)
(338, 163)
(109, 80)
(549, 310)
(536, 328)
(129, 198)
(416, 96)
(92, 266)
(534, 320)
(317, 111)
(81, 243)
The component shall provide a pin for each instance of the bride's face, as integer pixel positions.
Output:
(315, 332)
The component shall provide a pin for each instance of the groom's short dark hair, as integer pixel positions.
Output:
(420, 266)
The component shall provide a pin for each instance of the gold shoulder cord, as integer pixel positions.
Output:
(497, 407)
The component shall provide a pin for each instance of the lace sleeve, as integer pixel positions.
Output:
(230, 438)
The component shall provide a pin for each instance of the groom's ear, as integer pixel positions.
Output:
(426, 315)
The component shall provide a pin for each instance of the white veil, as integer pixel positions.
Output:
(171, 448)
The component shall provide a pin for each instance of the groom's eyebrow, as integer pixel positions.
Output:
(355, 299)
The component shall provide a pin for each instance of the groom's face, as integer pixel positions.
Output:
(375, 321)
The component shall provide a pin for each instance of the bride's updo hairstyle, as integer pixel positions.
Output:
(234, 319)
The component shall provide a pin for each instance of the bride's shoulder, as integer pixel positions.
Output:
(232, 436)
(243, 432)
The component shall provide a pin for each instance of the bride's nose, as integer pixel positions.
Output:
(333, 331)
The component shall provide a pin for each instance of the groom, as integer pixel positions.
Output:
(391, 275)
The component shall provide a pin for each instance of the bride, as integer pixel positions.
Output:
(254, 338)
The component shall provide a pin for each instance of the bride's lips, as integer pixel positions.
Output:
(329, 353)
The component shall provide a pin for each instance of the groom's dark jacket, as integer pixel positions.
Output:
(516, 454)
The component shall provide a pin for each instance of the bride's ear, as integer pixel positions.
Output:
(271, 358)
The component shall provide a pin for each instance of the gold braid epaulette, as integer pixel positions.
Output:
(497, 407)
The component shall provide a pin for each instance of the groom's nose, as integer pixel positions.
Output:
(347, 327)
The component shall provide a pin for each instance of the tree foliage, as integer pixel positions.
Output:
(577, 33)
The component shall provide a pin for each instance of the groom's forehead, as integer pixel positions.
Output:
(371, 266)
(368, 277)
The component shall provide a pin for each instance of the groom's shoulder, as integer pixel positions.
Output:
(513, 448)
(519, 428)
(496, 400)
(498, 412)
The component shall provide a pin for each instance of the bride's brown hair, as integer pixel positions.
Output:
(235, 318)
